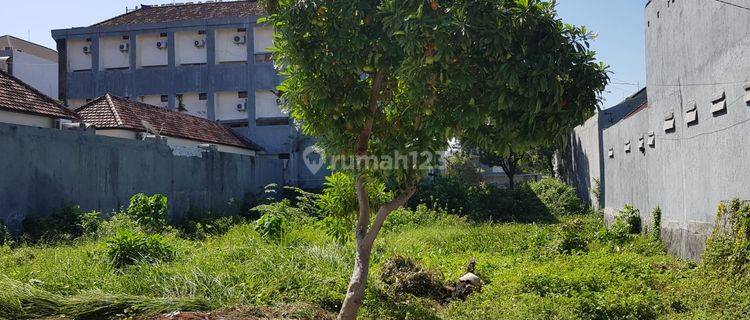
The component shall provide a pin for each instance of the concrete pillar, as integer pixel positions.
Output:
(210, 63)
(251, 126)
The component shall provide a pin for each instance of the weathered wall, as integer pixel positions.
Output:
(694, 51)
(42, 170)
(579, 163)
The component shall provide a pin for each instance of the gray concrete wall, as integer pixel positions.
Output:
(42, 170)
(579, 162)
(694, 50)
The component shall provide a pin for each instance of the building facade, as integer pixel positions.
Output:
(33, 64)
(210, 60)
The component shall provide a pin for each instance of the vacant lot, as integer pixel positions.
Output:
(527, 271)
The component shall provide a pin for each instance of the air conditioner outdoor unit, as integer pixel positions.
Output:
(242, 106)
(239, 40)
(199, 43)
(161, 45)
(86, 49)
(124, 47)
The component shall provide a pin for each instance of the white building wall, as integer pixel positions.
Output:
(148, 55)
(185, 50)
(194, 105)
(37, 72)
(227, 50)
(154, 100)
(226, 106)
(266, 106)
(26, 119)
(262, 39)
(77, 60)
(117, 133)
(110, 56)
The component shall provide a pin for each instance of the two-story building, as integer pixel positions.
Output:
(209, 60)
(33, 64)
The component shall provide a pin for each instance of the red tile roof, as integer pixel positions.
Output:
(17, 96)
(198, 11)
(112, 112)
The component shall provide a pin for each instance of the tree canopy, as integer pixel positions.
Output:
(380, 76)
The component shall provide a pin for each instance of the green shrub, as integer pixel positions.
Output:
(151, 212)
(571, 237)
(273, 225)
(656, 219)
(441, 192)
(491, 203)
(728, 247)
(62, 225)
(120, 221)
(90, 222)
(403, 217)
(617, 234)
(631, 217)
(339, 207)
(559, 197)
(202, 227)
(129, 247)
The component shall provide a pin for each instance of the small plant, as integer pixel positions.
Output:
(571, 237)
(616, 235)
(90, 222)
(128, 248)
(5, 237)
(596, 190)
(728, 247)
(631, 217)
(656, 219)
(62, 225)
(559, 197)
(151, 212)
(272, 226)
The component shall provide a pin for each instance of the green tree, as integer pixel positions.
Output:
(373, 78)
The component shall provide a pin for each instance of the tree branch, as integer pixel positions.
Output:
(387, 209)
(364, 135)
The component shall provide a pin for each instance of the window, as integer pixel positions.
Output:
(164, 98)
(203, 96)
(263, 57)
(627, 146)
(242, 94)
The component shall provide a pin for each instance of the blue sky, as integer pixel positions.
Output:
(619, 24)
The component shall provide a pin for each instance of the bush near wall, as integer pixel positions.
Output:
(542, 199)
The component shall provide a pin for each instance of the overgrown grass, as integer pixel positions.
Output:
(525, 276)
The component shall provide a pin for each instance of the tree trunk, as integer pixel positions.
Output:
(355, 293)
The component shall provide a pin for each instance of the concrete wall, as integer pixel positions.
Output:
(579, 162)
(227, 50)
(46, 169)
(148, 54)
(110, 55)
(695, 50)
(186, 52)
